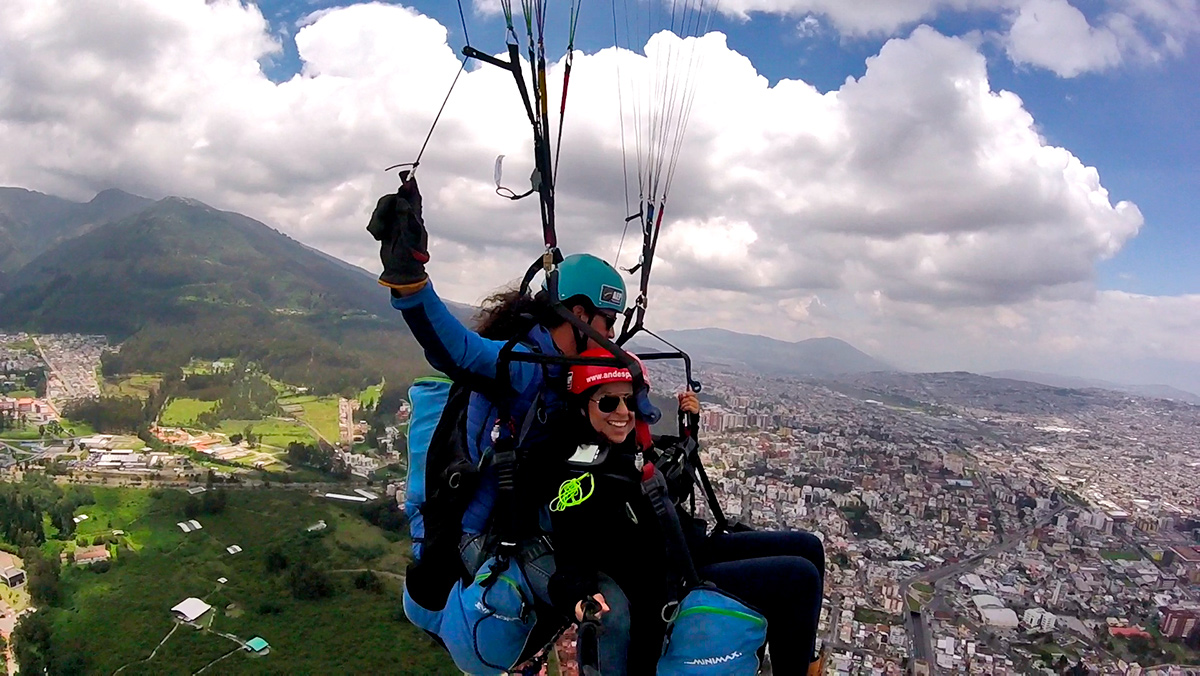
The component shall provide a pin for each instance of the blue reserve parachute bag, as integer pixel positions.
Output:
(713, 633)
(427, 398)
(485, 625)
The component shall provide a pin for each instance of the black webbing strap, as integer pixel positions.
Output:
(654, 487)
(588, 639)
(506, 455)
(689, 428)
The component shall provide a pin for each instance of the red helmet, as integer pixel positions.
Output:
(584, 377)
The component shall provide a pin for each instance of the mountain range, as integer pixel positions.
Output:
(176, 278)
(31, 222)
(812, 357)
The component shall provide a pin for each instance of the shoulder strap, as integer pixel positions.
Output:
(654, 487)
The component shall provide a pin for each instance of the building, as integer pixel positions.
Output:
(1179, 623)
(190, 609)
(993, 613)
(1189, 560)
(10, 570)
(13, 577)
(1038, 620)
(258, 646)
(86, 556)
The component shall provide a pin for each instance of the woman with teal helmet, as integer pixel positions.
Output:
(529, 396)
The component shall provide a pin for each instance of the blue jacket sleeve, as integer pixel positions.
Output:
(451, 347)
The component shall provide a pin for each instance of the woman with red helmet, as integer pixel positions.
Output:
(607, 546)
(609, 549)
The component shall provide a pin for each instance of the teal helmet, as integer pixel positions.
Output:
(593, 278)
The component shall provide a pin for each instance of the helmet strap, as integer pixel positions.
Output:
(581, 339)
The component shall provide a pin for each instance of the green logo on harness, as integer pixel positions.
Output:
(570, 492)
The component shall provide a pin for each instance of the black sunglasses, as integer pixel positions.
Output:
(610, 320)
(609, 402)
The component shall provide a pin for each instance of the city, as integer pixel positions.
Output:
(972, 525)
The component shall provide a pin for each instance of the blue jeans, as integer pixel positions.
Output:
(781, 574)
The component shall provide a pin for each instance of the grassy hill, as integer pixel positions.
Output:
(177, 260)
(117, 618)
(179, 279)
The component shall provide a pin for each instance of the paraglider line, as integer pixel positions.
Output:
(463, 17)
(438, 117)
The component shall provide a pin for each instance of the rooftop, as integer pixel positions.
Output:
(191, 608)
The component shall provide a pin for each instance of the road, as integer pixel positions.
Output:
(920, 636)
(53, 372)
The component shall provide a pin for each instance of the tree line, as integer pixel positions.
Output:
(320, 457)
(329, 355)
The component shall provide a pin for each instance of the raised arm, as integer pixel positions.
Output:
(449, 346)
(399, 226)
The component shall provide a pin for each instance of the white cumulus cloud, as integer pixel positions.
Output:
(914, 211)
(1050, 34)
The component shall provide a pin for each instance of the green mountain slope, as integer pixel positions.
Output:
(326, 621)
(180, 279)
(31, 223)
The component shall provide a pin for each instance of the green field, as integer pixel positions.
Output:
(871, 616)
(368, 397)
(28, 433)
(321, 413)
(136, 385)
(26, 345)
(183, 412)
(118, 617)
(21, 394)
(76, 428)
(277, 433)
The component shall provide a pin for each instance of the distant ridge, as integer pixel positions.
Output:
(812, 357)
(32, 223)
(1056, 380)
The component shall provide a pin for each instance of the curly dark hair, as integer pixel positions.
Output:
(509, 314)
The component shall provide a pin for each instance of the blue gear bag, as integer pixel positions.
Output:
(485, 625)
(713, 633)
(427, 398)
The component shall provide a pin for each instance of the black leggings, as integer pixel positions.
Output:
(782, 575)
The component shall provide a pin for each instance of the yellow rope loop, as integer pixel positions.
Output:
(570, 492)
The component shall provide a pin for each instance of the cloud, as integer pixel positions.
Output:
(1050, 34)
(914, 211)
(863, 17)
(1054, 35)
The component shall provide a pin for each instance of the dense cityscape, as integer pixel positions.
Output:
(975, 525)
(972, 525)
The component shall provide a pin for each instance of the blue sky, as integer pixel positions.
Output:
(1138, 123)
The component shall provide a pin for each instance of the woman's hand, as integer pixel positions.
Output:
(596, 598)
(399, 228)
(689, 402)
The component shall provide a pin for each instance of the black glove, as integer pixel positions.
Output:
(397, 225)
